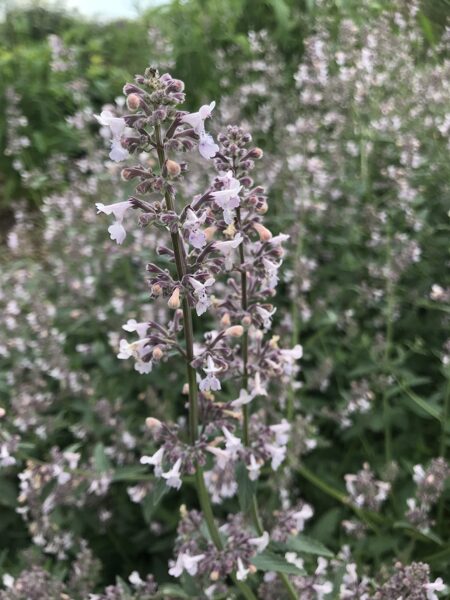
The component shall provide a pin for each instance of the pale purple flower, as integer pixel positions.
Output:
(117, 126)
(207, 147)
(228, 198)
(203, 302)
(223, 456)
(258, 389)
(293, 559)
(172, 476)
(210, 382)
(192, 223)
(227, 248)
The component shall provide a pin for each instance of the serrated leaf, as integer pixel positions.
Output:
(269, 561)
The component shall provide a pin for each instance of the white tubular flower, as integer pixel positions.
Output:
(437, 586)
(302, 515)
(132, 325)
(266, 316)
(261, 542)
(185, 562)
(322, 589)
(241, 572)
(228, 198)
(203, 302)
(207, 147)
(155, 460)
(254, 468)
(232, 443)
(277, 453)
(258, 389)
(197, 120)
(118, 209)
(117, 126)
(223, 456)
(244, 398)
(294, 559)
(172, 476)
(227, 248)
(281, 431)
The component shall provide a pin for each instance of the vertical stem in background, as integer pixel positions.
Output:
(390, 299)
(254, 510)
(442, 445)
(202, 492)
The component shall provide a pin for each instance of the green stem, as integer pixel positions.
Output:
(202, 492)
(254, 509)
(443, 444)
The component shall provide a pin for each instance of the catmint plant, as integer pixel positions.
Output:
(217, 260)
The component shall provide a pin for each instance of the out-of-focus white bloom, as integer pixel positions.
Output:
(294, 559)
(437, 586)
(244, 398)
(132, 325)
(254, 468)
(117, 126)
(261, 542)
(241, 572)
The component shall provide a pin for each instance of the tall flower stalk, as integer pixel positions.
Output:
(224, 264)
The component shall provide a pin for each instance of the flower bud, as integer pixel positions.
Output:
(225, 321)
(262, 208)
(127, 174)
(152, 423)
(185, 390)
(235, 331)
(133, 101)
(157, 353)
(247, 321)
(256, 153)
(173, 168)
(174, 300)
(264, 234)
(2, 412)
(214, 576)
(209, 232)
(156, 289)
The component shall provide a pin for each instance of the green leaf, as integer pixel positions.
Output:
(417, 402)
(173, 591)
(246, 487)
(306, 545)
(269, 561)
(427, 536)
(101, 460)
(151, 501)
